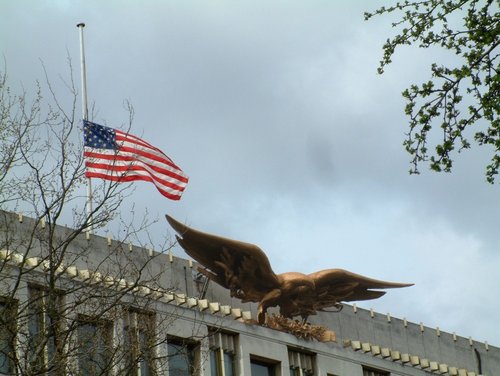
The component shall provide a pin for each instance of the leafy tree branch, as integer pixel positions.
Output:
(461, 101)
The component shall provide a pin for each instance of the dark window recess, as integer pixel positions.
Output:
(262, 368)
(181, 358)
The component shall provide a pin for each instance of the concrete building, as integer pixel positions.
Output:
(123, 309)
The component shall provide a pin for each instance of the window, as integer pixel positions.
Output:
(44, 327)
(301, 364)
(373, 372)
(139, 330)
(262, 368)
(94, 346)
(181, 358)
(222, 350)
(7, 335)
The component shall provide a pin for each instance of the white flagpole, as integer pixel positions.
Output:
(85, 115)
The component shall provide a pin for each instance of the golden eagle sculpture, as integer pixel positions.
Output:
(244, 269)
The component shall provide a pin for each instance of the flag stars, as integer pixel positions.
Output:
(98, 136)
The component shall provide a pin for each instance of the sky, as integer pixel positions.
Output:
(290, 138)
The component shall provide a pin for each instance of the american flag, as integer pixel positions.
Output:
(118, 156)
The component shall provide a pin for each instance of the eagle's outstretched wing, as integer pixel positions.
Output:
(243, 268)
(337, 285)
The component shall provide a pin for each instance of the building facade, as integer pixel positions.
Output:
(78, 304)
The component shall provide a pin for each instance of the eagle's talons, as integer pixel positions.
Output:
(261, 316)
